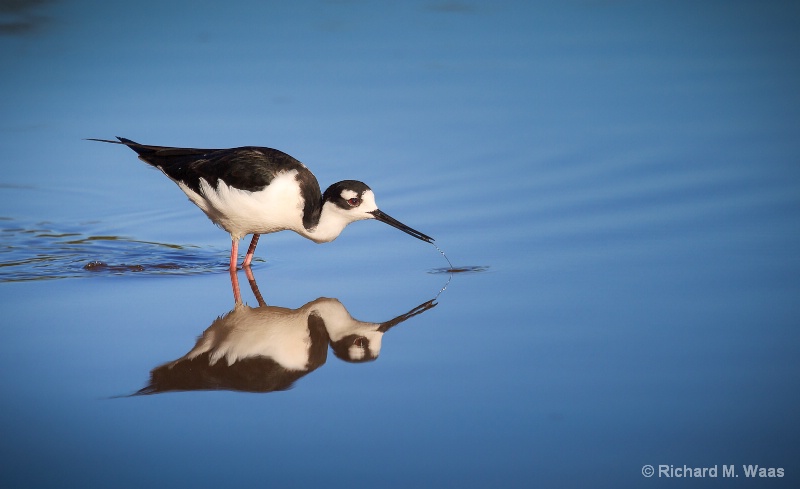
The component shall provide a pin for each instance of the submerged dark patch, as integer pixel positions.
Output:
(39, 252)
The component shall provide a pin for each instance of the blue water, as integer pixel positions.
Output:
(620, 180)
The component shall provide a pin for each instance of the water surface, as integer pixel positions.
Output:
(618, 181)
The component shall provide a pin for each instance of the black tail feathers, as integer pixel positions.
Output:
(141, 149)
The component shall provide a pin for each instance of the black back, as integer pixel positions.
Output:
(249, 168)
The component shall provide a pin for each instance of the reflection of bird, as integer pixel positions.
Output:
(254, 190)
(268, 348)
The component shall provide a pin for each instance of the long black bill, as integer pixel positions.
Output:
(383, 217)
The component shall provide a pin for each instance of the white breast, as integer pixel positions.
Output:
(277, 207)
(272, 332)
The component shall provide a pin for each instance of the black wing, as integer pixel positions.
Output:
(249, 168)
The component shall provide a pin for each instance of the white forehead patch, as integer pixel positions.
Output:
(369, 200)
(348, 194)
(355, 352)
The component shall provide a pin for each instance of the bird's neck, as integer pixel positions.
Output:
(330, 225)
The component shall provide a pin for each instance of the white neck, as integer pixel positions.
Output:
(332, 220)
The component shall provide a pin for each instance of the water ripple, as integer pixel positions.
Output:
(46, 251)
(460, 269)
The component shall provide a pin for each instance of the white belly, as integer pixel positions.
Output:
(277, 207)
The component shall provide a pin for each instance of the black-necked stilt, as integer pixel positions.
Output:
(269, 348)
(254, 190)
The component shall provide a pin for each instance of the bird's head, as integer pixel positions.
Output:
(354, 201)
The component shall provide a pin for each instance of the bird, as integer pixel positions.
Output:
(269, 348)
(258, 190)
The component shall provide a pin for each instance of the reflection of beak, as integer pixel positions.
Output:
(382, 217)
(384, 327)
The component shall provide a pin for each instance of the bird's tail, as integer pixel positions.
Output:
(141, 149)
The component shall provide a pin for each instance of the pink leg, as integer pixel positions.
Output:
(249, 256)
(254, 287)
(234, 253)
(237, 295)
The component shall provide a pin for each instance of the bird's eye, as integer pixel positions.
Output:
(354, 202)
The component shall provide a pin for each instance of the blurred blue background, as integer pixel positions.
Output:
(628, 171)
